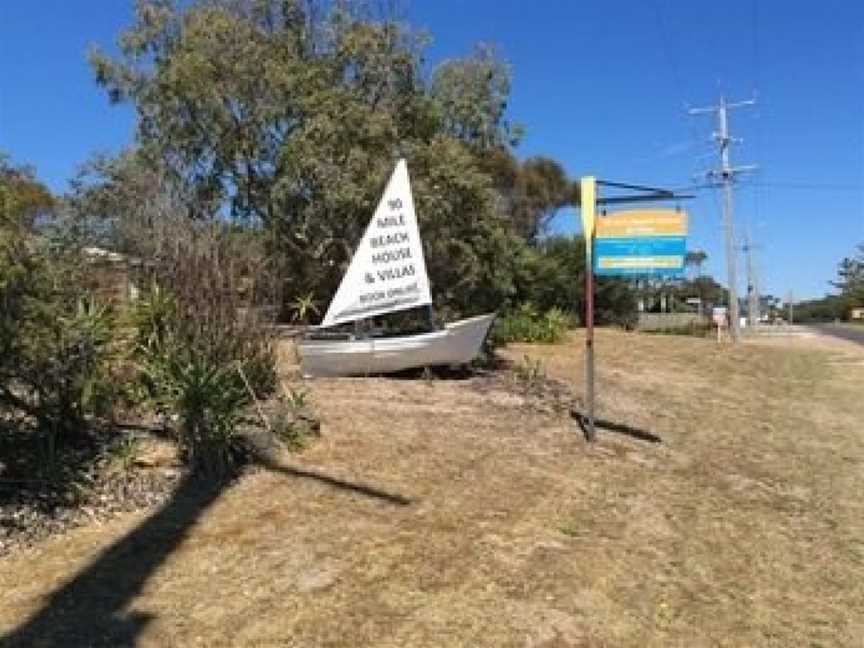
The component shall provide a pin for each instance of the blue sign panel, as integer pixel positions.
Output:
(641, 255)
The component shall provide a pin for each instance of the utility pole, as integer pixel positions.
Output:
(753, 306)
(791, 301)
(725, 175)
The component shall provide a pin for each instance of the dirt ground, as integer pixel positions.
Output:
(466, 513)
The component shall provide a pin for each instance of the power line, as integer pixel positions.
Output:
(759, 193)
(808, 186)
(785, 185)
(668, 52)
(673, 63)
(756, 48)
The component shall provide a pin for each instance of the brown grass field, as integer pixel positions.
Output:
(464, 513)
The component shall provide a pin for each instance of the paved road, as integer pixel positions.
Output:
(844, 332)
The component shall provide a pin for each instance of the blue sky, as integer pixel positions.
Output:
(601, 86)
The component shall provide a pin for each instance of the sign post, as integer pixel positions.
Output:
(645, 242)
(588, 198)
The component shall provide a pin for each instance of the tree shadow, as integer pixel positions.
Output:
(620, 428)
(42, 468)
(90, 609)
(360, 489)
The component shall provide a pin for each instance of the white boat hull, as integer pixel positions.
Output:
(458, 343)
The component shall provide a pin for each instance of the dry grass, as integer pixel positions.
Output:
(743, 528)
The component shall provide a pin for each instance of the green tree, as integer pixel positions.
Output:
(702, 286)
(23, 199)
(127, 203)
(850, 280)
(824, 309)
(542, 189)
(552, 275)
(291, 117)
(531, 192)
(472, 95)
(693, 261)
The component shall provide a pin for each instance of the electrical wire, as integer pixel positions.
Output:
(668, 52)
(759, 194)
(673, 63)
(808, 186)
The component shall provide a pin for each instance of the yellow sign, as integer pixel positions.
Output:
(642, 222)
(631, 263)
(588, 201)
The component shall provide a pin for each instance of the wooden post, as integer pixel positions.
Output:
(589, 344)
(587, 206)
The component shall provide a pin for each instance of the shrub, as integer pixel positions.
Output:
(295, 421)
(692, 329)
(197, 346)
(69, 362)
(553, 325)
(530, 373)
(55, 339)
(526, 324)
(552, 275)
(124, 454)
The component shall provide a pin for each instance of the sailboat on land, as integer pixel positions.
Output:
(388, 274)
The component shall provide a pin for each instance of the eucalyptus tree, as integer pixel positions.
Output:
(288, 115)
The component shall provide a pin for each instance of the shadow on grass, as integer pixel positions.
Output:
(360, 489)
(620, 428)
(91, 608)
(42, 468)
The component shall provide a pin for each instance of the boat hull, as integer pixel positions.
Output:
(458, 343)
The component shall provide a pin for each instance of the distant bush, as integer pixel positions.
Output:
(825, 309)
(692, 329)
(526, 324)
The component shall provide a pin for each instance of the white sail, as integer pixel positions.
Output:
(387, 272)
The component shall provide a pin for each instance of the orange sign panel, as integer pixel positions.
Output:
(642, 222)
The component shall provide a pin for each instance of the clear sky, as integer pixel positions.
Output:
(601, 86)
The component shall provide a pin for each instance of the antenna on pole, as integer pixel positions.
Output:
(725, 177)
